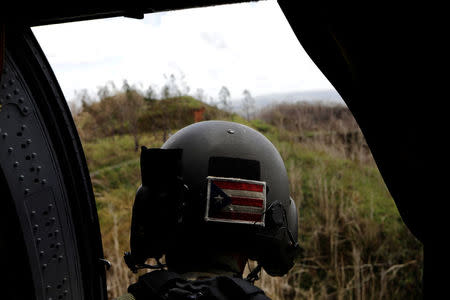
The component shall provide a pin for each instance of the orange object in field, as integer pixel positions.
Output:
(198, 114)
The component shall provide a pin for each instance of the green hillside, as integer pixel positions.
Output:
(355, 244)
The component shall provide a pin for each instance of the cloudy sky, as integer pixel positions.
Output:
(241, 46)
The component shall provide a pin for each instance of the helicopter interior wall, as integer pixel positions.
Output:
(14, 260)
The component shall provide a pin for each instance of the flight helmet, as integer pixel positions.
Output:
(215, 185)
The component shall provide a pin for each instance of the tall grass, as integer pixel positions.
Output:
(355, 243)
(322, 127)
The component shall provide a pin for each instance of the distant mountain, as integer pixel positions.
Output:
(324, 96)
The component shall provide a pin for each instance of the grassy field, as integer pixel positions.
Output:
(355, 243)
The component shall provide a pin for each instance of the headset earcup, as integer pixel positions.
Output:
(281, 248)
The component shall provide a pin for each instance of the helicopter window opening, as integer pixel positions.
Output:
(132, 82)
(247, 46)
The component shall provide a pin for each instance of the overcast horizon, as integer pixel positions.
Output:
(241, 46)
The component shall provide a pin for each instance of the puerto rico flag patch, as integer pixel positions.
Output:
(234, 200)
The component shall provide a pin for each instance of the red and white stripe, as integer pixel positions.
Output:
(248, 200)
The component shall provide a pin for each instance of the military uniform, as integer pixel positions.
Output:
(168, 285)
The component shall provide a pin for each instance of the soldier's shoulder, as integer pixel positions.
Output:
(238, 288)
(169, 285)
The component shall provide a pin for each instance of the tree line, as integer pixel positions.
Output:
(173, 87)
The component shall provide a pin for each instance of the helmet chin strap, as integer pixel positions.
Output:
(254, 274)
(134, 267)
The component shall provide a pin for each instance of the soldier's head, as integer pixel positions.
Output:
(214, 195)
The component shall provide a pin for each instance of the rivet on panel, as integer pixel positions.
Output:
(10, 149)
(44, 181)
(21, 178)
(16, 164)
(4, 134)
(21, 100)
